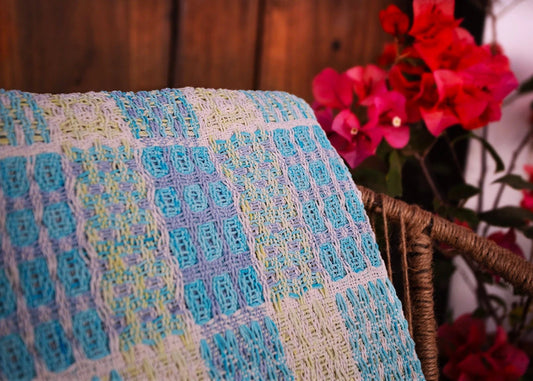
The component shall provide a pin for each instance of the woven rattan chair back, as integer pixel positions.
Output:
(418, 231)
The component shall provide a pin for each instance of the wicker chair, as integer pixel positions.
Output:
(417, 230)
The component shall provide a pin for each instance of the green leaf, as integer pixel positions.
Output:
(508, 216)
(462, 191)
(528, 232)
(371, 178)
(383, 150)
(480, 313)
(394, 176)
(454, 212)
(464, 214)
(526, 86)
(515, 181)
(490, 149)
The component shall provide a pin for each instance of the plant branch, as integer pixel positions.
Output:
(493, 20)
(508, 7)
(479, 5)
(427, 175)
(482, 294)
(454, 157)
(525, 303)
(457, 165)
(511, 98)
(510, 169)
(483, 173)
(521, 327)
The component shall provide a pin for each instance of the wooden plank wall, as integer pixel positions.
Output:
(82, 45)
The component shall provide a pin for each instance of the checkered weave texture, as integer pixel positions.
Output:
(186, 234)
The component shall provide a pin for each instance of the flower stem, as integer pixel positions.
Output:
(427, 175)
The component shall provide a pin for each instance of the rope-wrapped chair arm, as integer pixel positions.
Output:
(494, 258)
(418, 230)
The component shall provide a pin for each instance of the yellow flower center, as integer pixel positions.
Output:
(396, 121)
(354, 131)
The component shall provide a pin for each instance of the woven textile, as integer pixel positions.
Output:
(186, 234)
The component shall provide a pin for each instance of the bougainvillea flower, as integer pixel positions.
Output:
(464, 344)
(527, 200)
(476, 366)
(432, 29)
(346, 125)
(394, 21)
(512, 361)
(502, 361)
(462, 223)
(459, 101)
(460, 94)
(368, 81)
(443, 7)
(388, 55)
(387, 114)
(507, 241)
(493, 81)
(499, 64)
(405, 77)
(324, 116)
(353, 142)
(461, 53)
(434, 109)
(464, 336)
(439, 75)
(471, 97)
(333, 89)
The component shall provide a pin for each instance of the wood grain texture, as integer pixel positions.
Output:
(82, 45)
(216, 44)
(10, 74)
(302, 37)
(63, 46)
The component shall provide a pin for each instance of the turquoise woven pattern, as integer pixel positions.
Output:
(186, 234)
